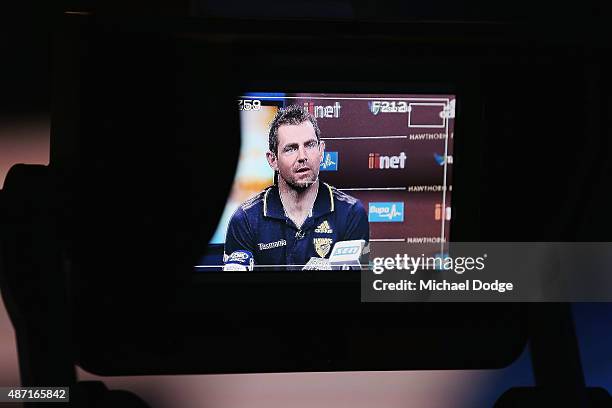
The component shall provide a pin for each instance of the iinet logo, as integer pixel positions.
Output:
(321, 111)
(376, 161)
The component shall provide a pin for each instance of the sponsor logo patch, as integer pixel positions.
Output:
(322, 246)
(324, 228)
(271, 245)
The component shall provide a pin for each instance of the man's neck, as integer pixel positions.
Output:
(297, 203)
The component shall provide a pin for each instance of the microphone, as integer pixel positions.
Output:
(240, 260)
(345, 254)
(317, 264)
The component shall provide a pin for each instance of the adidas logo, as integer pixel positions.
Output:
(324, 228)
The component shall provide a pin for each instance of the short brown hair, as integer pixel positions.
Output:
(290, 115)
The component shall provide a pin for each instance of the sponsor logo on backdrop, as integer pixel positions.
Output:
(438, 212)
(386, 212)
(449, 110)
(427, 136)
(323, 111)
(378, 161)
(377, 107)
(329, 161)
(424, 240)
(441, 159)
(271, 245)
(434, 188)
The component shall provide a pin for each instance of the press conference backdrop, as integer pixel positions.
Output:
(392, 152)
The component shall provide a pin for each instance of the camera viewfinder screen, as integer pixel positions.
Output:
(318, 170)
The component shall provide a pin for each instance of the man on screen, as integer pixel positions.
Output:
(300, 216)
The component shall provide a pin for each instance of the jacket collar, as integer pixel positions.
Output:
(324, 203)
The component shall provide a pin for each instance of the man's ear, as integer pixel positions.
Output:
(272, 160)
(322, 147)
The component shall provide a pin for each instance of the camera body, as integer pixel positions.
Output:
(144, 148)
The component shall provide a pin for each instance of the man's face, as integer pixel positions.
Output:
(299, 155)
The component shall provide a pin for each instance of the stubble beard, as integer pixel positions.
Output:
(302, 186)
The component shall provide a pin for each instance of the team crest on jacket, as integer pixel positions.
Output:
(324, 228)
(322, 246)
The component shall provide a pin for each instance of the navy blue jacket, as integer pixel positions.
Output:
(260, 225)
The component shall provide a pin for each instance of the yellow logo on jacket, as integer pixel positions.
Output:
(322, 246)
